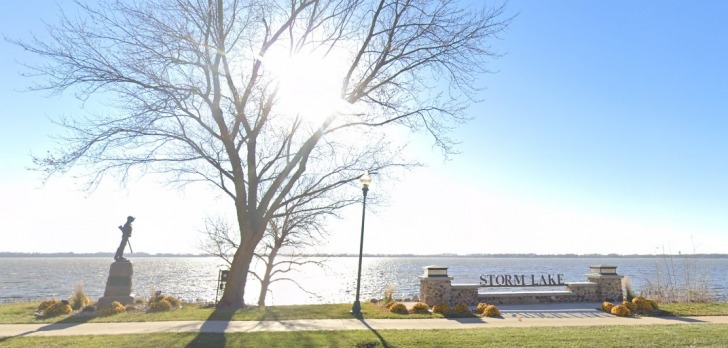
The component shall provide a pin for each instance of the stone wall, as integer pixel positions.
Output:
(608, 287)
(527, 297)
(603, 284)
(435, 290)
(461, 293)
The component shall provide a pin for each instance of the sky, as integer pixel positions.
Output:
(603, 129)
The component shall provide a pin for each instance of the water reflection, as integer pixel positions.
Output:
(195, 279)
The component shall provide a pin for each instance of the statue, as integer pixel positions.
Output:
(125, 234)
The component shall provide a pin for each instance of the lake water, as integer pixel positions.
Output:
(195, 279)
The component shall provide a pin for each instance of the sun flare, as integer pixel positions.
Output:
(309, 85)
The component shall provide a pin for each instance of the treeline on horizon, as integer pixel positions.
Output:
(443, 255)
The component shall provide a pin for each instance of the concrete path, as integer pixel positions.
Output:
(512, 316)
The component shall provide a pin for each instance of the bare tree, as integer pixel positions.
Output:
(299, 226)
(197, 91)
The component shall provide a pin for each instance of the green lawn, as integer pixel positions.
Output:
(23, 313)
(704, 335)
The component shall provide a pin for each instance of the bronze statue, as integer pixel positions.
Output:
(125, 234)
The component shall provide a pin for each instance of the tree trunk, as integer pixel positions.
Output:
(234, 294)
(265, 283)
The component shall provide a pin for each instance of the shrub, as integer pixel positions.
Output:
(481, 307)
(631, 306)
(79, 299)
(627, 286)
(388, 295)
(621, 311)
(114, 308)
(173, 301)
(88, 309)
(643, 304)
(441, 308)
(58, 309)
(420, 308)
(398, 308)
(389, 304)
(162, 303)
(607, 306)
(461, 308)
(491, 311)
(160, 306)
(46, 304)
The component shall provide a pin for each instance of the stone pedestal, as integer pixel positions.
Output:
(609, 283)
(435, 286)
(118, 285)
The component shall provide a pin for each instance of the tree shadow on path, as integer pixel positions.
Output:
(63, 324)
(212, 331)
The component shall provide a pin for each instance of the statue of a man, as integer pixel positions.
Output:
(125, 234)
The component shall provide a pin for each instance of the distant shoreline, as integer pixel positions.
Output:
(528, 255)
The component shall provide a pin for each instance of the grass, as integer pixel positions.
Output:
(707, 335)
(695, 309)
(23, 313)
(704, 335)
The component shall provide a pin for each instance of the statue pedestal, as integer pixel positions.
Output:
(118, 285)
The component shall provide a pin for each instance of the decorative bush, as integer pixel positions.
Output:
(607, 306)
(461, 308)
(162, 303)
(79, 298)
(389, 304)
(621, 311)
(420, 308)
(176, 303)
(399, 308)
(643, 304)
(481, 307)
(47, 304)
(58, 309)
(653, 303)
(491, 311)
(160, 306)
(388, 295)
(114, 308)
(441, 308)
(631, 306)
(89, 309)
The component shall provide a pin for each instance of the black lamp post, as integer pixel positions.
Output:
(365, 181)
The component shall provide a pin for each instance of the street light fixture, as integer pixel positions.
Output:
(365, 181)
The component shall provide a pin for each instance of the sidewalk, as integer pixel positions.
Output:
(512, 316)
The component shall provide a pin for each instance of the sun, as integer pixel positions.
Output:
(309, 85)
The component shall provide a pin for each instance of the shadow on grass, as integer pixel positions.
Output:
(63, 324)
(212, 331)
(375, 332)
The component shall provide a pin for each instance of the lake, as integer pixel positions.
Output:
(333, 281)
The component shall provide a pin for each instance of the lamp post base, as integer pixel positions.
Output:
(356, 309)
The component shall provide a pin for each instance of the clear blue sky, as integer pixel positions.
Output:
(604, 130)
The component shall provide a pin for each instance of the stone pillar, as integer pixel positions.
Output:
(118, 284)
(609, 283)
(435, 286)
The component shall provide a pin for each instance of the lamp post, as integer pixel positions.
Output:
(365, 181)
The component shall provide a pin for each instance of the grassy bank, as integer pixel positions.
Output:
(23, 313)
(618, 336)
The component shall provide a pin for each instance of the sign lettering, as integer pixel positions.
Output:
(512, 280)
